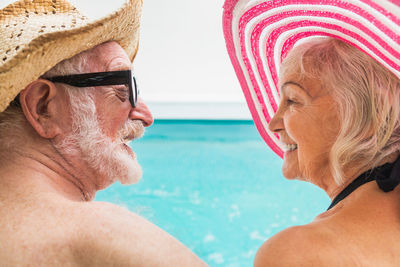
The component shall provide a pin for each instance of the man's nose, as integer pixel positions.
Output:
(141, 112)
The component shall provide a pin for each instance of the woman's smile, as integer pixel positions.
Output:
(306, 122)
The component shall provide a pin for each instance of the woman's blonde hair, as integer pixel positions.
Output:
(367, 96)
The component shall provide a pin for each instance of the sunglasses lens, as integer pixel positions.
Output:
(134, 90)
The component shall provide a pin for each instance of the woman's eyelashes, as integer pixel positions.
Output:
(290, 101)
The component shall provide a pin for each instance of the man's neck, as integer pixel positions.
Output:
(42, 167)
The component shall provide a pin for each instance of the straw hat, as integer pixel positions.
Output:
(35, 35)
(259, 34)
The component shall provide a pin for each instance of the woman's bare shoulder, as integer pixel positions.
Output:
(306, 245)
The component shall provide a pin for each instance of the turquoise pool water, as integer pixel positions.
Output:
(217, 187)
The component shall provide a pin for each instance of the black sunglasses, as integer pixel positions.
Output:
(121, 77)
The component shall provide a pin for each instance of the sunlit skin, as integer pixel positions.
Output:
(47, 216)
(112, 102)
(113, 110)
(307, 116)
(113, 107)
(362, 229)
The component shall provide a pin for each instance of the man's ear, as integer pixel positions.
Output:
(38, 104)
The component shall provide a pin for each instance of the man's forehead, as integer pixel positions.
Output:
(109, 56)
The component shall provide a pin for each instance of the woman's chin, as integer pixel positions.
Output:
(289, 175)
(290, 169)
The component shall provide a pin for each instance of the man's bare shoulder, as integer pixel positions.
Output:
(298, 246)
(112, 235)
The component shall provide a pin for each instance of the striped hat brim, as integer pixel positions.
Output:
(259, 35)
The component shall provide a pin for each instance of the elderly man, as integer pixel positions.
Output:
(63, 138)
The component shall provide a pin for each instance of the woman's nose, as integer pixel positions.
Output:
(276, 123)
(141, 112)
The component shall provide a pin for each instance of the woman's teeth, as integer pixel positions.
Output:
(290, 147)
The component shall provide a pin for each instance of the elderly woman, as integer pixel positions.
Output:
(339, 121)
(338, 124)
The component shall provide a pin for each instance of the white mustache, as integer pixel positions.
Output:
(132, 129)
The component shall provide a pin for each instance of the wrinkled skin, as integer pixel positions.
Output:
(47, 216)
(362, 229)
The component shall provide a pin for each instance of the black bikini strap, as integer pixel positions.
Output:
(386, 176)
(388, 182)
(359, 181)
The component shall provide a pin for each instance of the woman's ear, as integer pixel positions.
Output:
(38, 104)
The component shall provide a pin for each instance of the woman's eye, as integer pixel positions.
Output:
(290, 101)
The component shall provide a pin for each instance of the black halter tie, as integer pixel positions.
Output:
(386, 176)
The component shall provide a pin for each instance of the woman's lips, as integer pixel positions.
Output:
(290, 147)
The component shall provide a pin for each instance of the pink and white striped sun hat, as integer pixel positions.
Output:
(260, 33)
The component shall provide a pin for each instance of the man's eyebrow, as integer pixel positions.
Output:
(294, 83)
(118, 67)
(117, 63)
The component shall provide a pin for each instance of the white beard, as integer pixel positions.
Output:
(109, 160)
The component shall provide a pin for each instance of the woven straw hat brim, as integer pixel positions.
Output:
(45, 50)
(259, 34)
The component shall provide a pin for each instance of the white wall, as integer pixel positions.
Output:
(182, 67)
